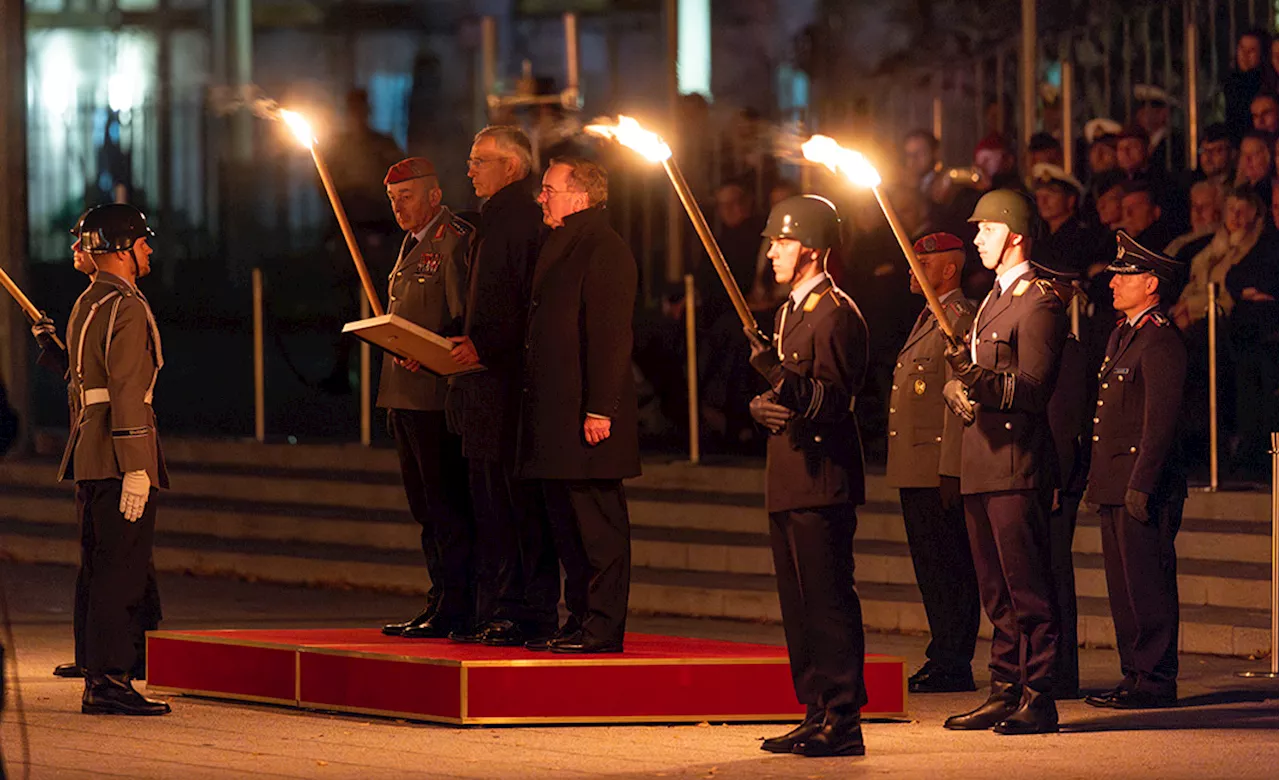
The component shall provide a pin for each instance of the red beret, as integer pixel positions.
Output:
(993, 142)
(937, 242)
(410, 168)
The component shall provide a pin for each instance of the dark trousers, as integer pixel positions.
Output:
(435, 483)
(1142, 585)
(821, 613)
(148, 617)
(517, 575)
(1062, 531)
(592, 532)
(111, 587)
(943, 564)
(1009, 536)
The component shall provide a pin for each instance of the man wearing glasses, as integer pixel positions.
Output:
(517, 579)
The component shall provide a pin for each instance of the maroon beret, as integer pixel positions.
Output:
(992, 142)
(410, 168)
(937, 242)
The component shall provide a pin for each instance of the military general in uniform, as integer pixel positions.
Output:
(1004, 376)
(426, 288)
(924, 465)
(814, 476)
(1136, 478)
(114, 456)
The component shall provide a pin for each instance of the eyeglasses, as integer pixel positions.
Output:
(476, 162)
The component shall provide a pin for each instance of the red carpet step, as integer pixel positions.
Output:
(659, 679)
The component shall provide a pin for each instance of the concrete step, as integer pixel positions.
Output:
(893, 607)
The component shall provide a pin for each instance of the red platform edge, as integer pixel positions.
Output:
(659, 679)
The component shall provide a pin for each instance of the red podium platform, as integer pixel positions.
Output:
(659, 679)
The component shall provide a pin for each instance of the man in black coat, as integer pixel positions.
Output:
(814, 476)
(578, 432)
(1004, 376)
(517, 582)
(1136, 478)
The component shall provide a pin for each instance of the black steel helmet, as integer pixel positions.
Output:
(111, 228)
(1011, 207)
(810, 219)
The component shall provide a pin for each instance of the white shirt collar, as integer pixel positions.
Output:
(1007, 278)
(798, 294)
(1134, 320)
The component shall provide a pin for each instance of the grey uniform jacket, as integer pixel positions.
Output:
(427, 287)
(114, 351)
(924, 435)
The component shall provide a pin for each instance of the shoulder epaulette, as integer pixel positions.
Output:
(460, 226)
(1021, 287)
(811, 302)
(1155, 318)
(961, 306)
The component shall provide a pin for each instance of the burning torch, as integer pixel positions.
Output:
(650, 145)
(860, 172)
(302, 129)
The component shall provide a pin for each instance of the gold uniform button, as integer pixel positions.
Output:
(817, 439)
(937, 438)
(1008, 426)
(919, 368)
(1095, 437)
(795, 355)
(399, 274)
(898, 366)
(892, 410)
(995, 335)
(893, 433)
(1133, 449)
(1120, 379)
(1105, 385)
(1095, 421)
(895, 387)
(1099, 402)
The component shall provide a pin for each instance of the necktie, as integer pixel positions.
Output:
(409, 246)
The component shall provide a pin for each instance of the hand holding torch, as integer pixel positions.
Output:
(28, 308)
(859, 171)
(650, 145)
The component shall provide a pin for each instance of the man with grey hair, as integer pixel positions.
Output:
(578, 414)
(517, 580)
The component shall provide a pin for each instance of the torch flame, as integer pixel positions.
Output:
(629, 133)
(825, 151)
(299, 125)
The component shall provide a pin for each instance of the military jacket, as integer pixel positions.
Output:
(427, 286)
(1016, 341)
(1136, 414)
(816, 460)
(924, 435)
(115, 356)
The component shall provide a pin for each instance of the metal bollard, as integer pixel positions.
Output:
(1274, 670)
(691, 366)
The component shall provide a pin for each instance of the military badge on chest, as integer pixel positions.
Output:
(429, 264)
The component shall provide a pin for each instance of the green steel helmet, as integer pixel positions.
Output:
(1011, 207)
(112, 228)
(810, 219)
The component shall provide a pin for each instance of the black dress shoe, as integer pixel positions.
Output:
(502, 633)
(788, 742)
(397, 629)
(840, 735)
(1002, 703)
(578, 643)
(469, 636)
(935, 679)
(1128, 699)
(1036, 714)
(68, 670)
(112, 694)
(435, 628)
(543, 643)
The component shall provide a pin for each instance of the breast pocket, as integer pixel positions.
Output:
(798, 356)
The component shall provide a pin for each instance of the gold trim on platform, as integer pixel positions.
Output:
(595, 660)
(219, 640)
(605, 721)
(415, 716)
(463, 693)
(333, 650)
(169, 691)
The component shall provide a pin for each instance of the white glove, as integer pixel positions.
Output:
(134, 492)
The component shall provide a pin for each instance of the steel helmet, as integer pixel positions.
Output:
(114, 227)
(810, 219)
(1011, 207)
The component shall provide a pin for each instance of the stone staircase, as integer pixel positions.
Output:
(336, 515)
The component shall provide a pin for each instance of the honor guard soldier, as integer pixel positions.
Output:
(426, 287)
(1004, 376)
(815, 367)
(113, 454)
(1136, 478)
(924, 465)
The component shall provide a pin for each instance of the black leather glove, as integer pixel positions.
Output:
(766, 410)
(957, 398)
(764, 358)
(1135, 503)
(949, 491)
(46, 334)
(961, 362)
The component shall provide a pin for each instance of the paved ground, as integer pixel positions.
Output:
(1225, 728)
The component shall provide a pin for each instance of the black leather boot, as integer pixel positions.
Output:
(1036, 714)
(71, 670)
(840, 735)
(113, 694)
(1002, 702)
(796, 736)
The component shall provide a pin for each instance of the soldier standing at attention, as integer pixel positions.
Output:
(1136, 478)
(1004, 377)
(113, 454)
(814, 476)
(924, 464)
(426, 287)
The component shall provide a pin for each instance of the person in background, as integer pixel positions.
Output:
(920, 159)
(1263, 112)
(1257, 165)
(1246, 80)
(1206, 198)
(1043, 148)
